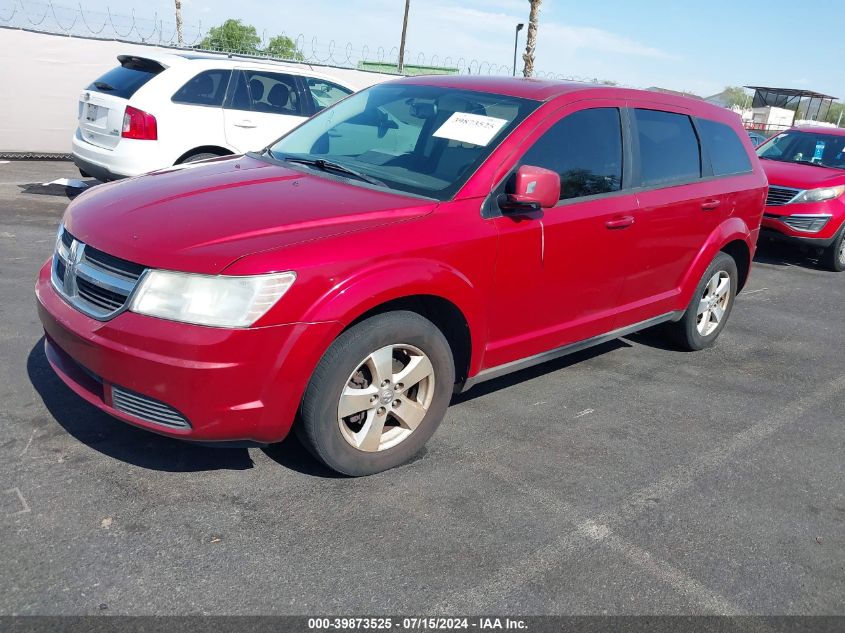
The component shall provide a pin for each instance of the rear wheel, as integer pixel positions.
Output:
(379, 392)
(193, 158)
(833, 257)
(711, 305)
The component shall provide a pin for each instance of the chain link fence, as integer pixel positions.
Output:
(50, 17)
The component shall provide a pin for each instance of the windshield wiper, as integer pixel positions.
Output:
(327, 165)
(808, 162)
(102, 85)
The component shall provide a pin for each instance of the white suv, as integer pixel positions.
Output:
(161, 110)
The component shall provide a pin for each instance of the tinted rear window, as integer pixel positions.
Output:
(727, 153)
(124, 81)
(208, 88)
(669, 151)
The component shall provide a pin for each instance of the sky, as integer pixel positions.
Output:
(697, 46)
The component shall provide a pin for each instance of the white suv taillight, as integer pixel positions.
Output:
(139, 125)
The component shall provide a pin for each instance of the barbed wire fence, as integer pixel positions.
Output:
(58, 19)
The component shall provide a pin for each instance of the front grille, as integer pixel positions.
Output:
(779, 196)
(806, 223)
(147, 409)
(95, 282)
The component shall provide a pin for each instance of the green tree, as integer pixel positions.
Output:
(836, 109)
(735, 96)
(233, 37)
(283, 47)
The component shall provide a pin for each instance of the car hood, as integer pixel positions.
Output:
(801, 176)
(202, 217)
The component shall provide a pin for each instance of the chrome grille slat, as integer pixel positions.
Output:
(147, 409)
(779, 196)
(95, 282)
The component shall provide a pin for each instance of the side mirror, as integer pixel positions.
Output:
(534, 188)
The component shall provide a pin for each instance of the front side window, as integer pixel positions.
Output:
(325, 93)
(727, 153)
(271, 93)
(208, 88)
(812, 148)
(585, 148)
(669, 151)
(423, 140)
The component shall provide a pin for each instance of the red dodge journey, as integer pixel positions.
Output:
(415, 239)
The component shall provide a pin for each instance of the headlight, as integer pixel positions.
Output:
(215, 300)
(818, 195)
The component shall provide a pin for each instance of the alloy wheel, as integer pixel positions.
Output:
(386, 397)
(713, 303)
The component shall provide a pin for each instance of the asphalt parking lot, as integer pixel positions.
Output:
(630, 479)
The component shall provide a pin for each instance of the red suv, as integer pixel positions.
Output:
(805, 205)
(414, 239)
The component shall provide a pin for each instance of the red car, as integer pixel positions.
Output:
(415, 239)
(805, 205)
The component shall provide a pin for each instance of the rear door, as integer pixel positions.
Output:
(679, 207)
(261, 107)
(102, 104)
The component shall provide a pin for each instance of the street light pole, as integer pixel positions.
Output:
(515, 44)
(401, 65)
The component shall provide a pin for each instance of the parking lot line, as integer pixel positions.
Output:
(684, 475)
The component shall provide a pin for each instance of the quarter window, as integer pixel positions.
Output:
(208, 88)
(585, 148)
(727, 153)
(669, 151)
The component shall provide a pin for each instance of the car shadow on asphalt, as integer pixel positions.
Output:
(118, 440)
(57, 189)
(537, 371)
(780, 254)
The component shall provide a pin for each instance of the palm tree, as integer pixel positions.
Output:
(179, 37)
(531, 40)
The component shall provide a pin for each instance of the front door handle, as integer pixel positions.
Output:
(245, 123)
(621, 222)
(710, 205)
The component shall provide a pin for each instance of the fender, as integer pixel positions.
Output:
(367, 289)
(731, 229)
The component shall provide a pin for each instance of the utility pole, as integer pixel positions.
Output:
(402, 43)
(180, 38)
(515, 43)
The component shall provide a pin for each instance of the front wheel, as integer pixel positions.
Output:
(833, 257)
(711, 305)
(378, 394)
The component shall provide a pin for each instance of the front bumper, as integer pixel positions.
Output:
(229, 384)
(773, 225)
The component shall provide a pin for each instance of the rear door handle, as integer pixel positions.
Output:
(621, 222)
(245, 123)
(709, 205)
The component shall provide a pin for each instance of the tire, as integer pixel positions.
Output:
(348, 376)
(833, 257)
(693, 332)
(193, 158)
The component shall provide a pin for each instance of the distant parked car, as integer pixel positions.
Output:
(757, 139)
(160, 110)
(417, 238)
(805, 204)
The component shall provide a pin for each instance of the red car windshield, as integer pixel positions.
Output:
(422, 140)
(811, 148)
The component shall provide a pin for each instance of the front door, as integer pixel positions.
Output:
(261, 107)
(559, 272)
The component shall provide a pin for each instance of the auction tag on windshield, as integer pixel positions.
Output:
(470, 128)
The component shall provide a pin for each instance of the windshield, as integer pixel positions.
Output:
(814, 148)
(416, 139)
